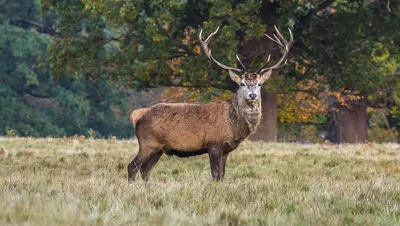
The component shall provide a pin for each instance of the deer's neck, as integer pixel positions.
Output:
(245, 117)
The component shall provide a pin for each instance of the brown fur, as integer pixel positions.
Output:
(137, 115)
(189, 127)
(186, 130)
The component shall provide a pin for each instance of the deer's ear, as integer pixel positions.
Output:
(235, 76)
(265, 76)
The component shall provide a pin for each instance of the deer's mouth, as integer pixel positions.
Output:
(251, 101)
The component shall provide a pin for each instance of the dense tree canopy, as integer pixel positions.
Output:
(151, 43)
(345, 53)
(31, 102)
(346, 49)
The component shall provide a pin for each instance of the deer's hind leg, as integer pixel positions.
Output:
(144, 155)
(148, 166)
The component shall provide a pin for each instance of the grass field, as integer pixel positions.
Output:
(72, 182)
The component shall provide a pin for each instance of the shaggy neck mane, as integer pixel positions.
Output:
(244, 116)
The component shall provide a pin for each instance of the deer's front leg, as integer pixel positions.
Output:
(215, 156)
(222, 167)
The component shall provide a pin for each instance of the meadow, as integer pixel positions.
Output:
(84, 182)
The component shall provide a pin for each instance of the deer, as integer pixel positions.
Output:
(215, 128)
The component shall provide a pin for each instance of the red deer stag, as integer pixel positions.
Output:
(215, 128)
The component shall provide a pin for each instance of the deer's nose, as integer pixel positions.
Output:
(253, 96)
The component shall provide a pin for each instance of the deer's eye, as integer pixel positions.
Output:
(242, 84)
(259, 84)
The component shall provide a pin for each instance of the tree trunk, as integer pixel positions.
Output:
(348, 124)
(267, 130)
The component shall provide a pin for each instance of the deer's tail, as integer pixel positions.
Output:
(137, 115)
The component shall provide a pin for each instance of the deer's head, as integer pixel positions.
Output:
(250, 83)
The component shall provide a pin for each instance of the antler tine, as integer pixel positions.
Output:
(265, 64)
(279, 33)
(211, 35)
(282, 64)
(287, 44)
(281, 41)
(222, 65)
(277, 39)
(241, 63)
(291, 39)
(204, 45)
(272, 39)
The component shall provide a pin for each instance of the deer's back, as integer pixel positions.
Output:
(186, 127)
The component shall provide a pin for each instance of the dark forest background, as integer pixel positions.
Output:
(81, 66)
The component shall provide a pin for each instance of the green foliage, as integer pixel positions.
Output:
(380, 130)
(92, 133)
(358, 54)
(382, 135)
(142, 44)
(138, 42)
(34, 104)
(11, 133)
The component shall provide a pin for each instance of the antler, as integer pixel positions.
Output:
(207, 51)
(285, 46)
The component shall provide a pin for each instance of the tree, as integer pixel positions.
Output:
(332, 52)
(154, 43)
(34, 104)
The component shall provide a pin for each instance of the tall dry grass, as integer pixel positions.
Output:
(64, 182)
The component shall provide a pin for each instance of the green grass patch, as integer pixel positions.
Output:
(71, 182)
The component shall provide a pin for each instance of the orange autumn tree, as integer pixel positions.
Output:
(299, 107)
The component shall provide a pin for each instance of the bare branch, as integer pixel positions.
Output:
(325, 4)
(38, 27)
